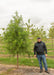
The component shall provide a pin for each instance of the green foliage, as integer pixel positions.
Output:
(29, 26)
(38, 32)
(0, 34)
(3, 28)
(51, 31)
(16, 36)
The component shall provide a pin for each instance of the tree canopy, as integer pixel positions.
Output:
(17, 37)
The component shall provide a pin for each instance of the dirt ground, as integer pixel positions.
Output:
(23, 70)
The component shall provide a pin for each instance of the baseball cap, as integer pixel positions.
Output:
(38, 38)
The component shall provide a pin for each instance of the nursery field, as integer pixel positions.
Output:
(7, 59)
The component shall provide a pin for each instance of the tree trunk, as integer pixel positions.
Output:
(17, 61)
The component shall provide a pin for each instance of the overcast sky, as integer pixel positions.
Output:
(41, 12)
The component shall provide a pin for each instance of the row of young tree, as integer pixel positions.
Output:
(51, 33)
(40, 32)
(18, 35)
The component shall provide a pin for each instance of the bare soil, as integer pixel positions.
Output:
(23, 70)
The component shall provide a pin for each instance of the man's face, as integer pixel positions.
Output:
(39, 40)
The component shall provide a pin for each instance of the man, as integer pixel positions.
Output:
(40, 51)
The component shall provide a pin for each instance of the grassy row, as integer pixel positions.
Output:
(50, 53)
(25, 61)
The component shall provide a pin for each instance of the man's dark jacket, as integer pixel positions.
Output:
(40, 48)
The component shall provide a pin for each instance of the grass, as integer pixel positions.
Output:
(50, 49)
(25, 61)
(50, 53)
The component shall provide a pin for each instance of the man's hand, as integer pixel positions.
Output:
(46, 55)
(34, 55)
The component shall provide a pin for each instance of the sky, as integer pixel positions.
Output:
(41, 12)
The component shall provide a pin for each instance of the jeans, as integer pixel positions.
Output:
(40, 59)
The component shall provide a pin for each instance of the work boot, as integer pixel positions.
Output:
(47, 72)
(41, 71)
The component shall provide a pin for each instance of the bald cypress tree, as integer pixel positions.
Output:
(16, 37)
